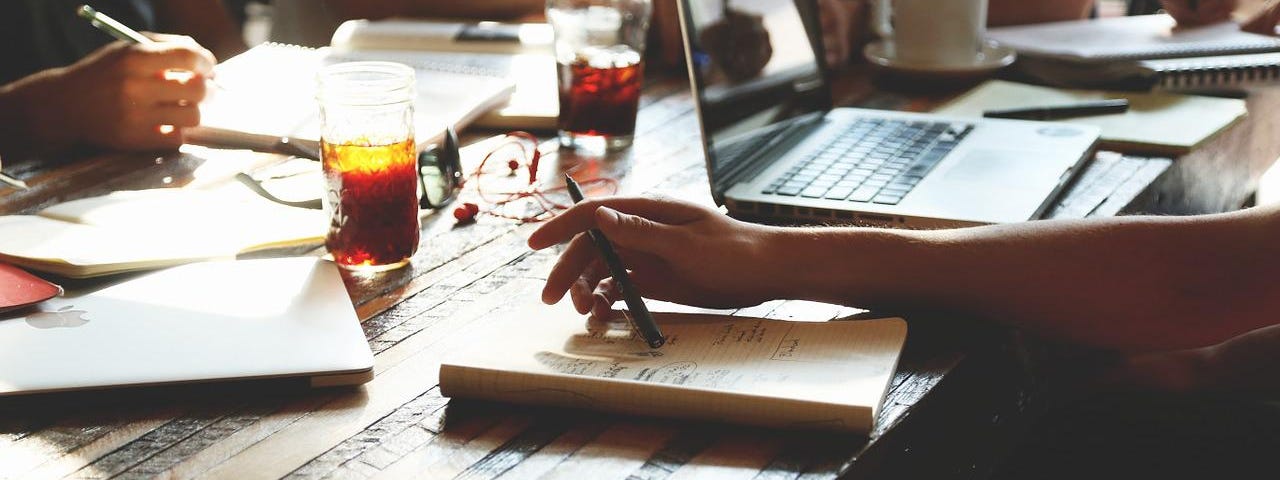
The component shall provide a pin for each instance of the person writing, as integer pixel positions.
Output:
(1184, 296)
(1186, 302)
(65, 85)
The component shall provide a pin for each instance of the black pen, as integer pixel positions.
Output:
(1082, 109)
(641, 320)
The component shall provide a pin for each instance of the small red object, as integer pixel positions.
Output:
(466, 212)
(20, 289)
(513, 165)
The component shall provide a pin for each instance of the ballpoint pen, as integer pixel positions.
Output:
(638, 313)
(114, 28)
(13, 182)
(1081, 109)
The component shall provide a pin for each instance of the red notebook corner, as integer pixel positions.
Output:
(20, 289)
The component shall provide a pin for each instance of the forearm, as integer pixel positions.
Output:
(1131, 283)
(26, 128)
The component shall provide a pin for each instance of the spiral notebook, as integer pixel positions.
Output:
(1137, 37)
(269, 92)
(1142, 53)
(1211, 72)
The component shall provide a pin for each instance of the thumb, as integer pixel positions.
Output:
(633, 232)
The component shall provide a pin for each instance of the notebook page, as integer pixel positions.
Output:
(270, 91)
(742, 370)
(76, 250)
(228, 217)
(131, 230)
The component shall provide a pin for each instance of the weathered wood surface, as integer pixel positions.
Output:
(949, 410)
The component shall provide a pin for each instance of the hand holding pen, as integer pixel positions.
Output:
(637, 312)
(133, 95)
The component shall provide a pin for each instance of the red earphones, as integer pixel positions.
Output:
(527, 145)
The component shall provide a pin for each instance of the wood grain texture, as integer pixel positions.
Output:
(398, 425)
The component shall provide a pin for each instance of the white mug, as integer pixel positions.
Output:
(932, 32)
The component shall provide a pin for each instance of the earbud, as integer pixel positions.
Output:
(466, 212)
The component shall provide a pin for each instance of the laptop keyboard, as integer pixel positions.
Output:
(873, 160)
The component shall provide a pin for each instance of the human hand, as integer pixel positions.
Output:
(122, 96)
(676, 251)
(1240, 365)
(1264, 22)
(1199, 12)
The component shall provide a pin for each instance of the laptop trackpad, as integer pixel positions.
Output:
(1008, 168)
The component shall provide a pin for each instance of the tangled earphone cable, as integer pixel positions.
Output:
(495, 202)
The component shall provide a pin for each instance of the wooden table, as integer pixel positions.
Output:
(954, 408)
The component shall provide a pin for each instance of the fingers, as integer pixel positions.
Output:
(175, 90)
(154, 58)
(1264, 22)
(638, 233)
(575, 258)
(585, 292)
(172, 115)
(604, 296)
(582, 216)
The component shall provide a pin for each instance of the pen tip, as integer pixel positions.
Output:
(657, 342)
(85, 11)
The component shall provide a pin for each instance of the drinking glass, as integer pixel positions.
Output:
(370, 164)
(599, 48)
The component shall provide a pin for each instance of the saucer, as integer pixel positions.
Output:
(993, 57)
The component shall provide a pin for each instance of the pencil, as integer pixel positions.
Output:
(640, 317)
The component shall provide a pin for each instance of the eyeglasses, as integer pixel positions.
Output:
(440, 175)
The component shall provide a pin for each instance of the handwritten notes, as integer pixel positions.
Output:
(829, 375)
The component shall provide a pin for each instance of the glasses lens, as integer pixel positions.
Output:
(439, 180)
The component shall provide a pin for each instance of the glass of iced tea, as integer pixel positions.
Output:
(599, 51)
(370, 164)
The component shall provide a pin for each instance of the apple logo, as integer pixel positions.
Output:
(65, 317)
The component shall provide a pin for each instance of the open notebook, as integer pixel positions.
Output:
(804, 375)
(270, 91)
(146, 229)
(522, 52)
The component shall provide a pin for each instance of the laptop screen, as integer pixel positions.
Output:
(755, 71)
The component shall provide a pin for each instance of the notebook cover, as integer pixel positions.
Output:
(20, 289)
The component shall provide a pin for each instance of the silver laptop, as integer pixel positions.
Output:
(203, 322)
(776, 149)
